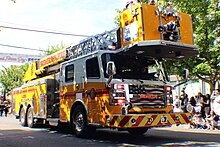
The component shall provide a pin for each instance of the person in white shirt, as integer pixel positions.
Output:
(177, 105)
(216, 102)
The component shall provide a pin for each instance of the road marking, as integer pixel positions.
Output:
(29, 137)
(192, 143)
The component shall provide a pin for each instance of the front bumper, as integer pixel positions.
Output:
(147, 120)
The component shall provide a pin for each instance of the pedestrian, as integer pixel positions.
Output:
(207, 105)
(216, 102)
(6, 107)
(176, 98)
(177, 105)
(1, 109)
(191, 105)
(184, 102)
(201, 100)
(197, 120)
(197, 107)
(212, 121)
(192, 101)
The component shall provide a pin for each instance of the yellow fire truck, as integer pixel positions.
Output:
(114, 80)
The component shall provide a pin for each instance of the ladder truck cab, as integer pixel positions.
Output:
(111, 80)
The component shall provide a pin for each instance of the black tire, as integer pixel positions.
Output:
(22, 117)
(79, 122)
(137, 131)
(30, 118)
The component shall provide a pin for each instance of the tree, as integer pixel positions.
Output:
(206, 25)
(12, 77)
(54, 48)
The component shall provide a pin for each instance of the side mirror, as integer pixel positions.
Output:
(111, 69)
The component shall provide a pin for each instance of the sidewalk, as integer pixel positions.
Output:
(9, 123)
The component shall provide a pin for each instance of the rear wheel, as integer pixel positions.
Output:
(137, 131)
(22, 117)
(30, 118)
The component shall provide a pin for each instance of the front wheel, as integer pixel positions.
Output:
(137, 131)
(79, 122)
(22, 117)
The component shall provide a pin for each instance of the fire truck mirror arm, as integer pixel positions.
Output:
(110, 71)
(185, 78)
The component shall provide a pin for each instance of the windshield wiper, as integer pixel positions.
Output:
(140, 81)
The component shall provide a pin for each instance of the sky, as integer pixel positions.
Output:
(82, 17)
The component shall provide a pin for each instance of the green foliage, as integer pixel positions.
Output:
(12, 76)
(53, 49)
(206, 25)
(116, 19)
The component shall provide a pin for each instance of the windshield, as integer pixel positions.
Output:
(134, 67)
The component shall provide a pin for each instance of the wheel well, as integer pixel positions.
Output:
(78, 103)
(21, 106)
(28, 107)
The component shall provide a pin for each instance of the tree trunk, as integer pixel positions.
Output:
(212, 86)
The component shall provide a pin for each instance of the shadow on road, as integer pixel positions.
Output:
(154, 137)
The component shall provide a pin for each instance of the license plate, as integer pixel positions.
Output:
(148, 96)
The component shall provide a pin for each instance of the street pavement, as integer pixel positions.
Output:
(13, 135)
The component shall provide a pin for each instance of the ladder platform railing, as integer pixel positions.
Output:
(101, 41)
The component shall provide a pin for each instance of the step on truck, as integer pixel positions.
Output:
(115, 79)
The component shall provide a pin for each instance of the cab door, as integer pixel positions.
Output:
(67, 90)
(93, 88)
